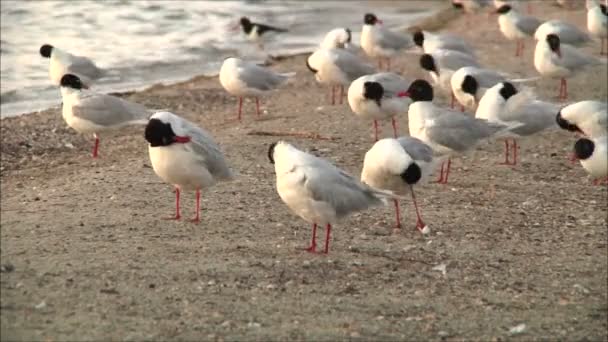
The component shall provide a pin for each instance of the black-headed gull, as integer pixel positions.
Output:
(338, 68)
(447, 132)
(429, 42)
(441, 65)
(587, 117)
(593, 156)
(553, 59)
(568, 33)
(184, 155)
(516, 26)
(89, 112)
(470, 83)
(397, 165)
(376, 97)
(504, 104)
(242, 78)
(63, 62)
(317, 191)
(597, 21)
(381, 43)
(256, 31)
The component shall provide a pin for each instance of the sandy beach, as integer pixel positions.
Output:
(86, 256)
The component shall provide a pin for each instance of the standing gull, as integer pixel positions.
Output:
(317, 191)
(338, 68)
(568, 33)
(516, 26)
(597, 21)
(587, 117)
(504, 104)
(241, 78)
(447, 132)
(470, 83)
(89, 112)
(381, 43)
(397, 165)
(376, 97)
(63, 62)
(184, 155)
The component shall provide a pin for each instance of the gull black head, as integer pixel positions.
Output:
(412, 174)
(349, 34)
(370, 19)
(564, 124)
(427, 62)
(418, 37)
(583, 148)
(504, 9)
(604, 9)
(507, 90)
(373, 91)
(246, 24)
(457, 5)
(271, 152)
(159, 133)
(71, 81)
(420, 90)
(554, 42)
(45, 50)
(469, 85)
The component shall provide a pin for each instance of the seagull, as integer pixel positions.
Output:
(593, 156)
(442, 64)
(256, 31)
(337, 38)
(317, 191)
(381, 43)
(184, 155)
(516, 26)
(568, 33)
(430, 42)
(597, 21)
(90, 112)
(337, 67)
(397, 165)
(587, 117)
(503, 104)
(63, 62)
(241, 78)
(553, 59)
(470, 83)
(375, 97)
(447, 132)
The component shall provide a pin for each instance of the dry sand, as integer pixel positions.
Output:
(86, 257)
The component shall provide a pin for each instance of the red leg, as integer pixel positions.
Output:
(506, 162)
(379, 63)
(376, 130)
(388, 64)
(453, 101)
(521, 49)
(462, 108)
(197, 218)
(447, 171)
(257, 106)
(240, 107)
(394, 127)
(514, 147)
(602, 52)
(517, 48)
(333, 95)
(440, 179)
(565, 88)
(177, 211)
(313, 243)
(419, 223)
(398, 217)
(530, 10)
(96, 147)
(327, 236)
(341, 93)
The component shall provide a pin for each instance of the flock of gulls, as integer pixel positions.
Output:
(492, 105)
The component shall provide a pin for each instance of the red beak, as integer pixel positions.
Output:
(403, 94)
(181, 140)
(379, 21)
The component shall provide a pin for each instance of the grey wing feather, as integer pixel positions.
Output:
(260, 78)
(455, 60)
(346, 194)
(391, 82)
(394, 41)
(528, 24)
(460, 132)
(534, 115)
(106, 110)
(416, 148)
(352, 66)
(84, 66)
(212, 157)
(570, 34)
(572, 58)
(488, 78)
